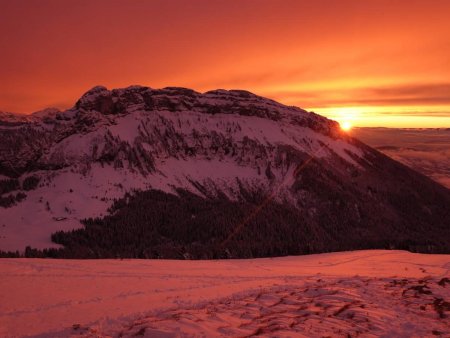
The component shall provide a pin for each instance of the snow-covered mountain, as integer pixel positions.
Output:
(59, 167)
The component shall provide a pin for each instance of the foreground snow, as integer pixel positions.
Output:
(368, 293)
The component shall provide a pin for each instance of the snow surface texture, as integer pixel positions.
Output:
(161, 139)
(361, 293)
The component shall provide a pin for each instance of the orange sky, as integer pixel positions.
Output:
(376, 63)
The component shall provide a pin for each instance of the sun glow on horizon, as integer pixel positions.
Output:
(346, 116)
(346, 126)
(389, 116)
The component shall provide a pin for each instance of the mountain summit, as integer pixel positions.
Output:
(173, 173)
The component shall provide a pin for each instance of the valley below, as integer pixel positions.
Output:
(424, 150)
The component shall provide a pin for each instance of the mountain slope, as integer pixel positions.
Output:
(226, 174)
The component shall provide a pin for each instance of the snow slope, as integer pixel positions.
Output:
(361, 293)
(115, 141)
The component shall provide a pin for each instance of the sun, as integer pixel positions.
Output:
(346, 126)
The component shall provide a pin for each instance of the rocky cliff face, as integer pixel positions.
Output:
(170, 121)
(226, 144)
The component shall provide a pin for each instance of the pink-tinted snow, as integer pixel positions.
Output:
(366, 293)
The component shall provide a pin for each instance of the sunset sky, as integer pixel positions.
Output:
(368, 63)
